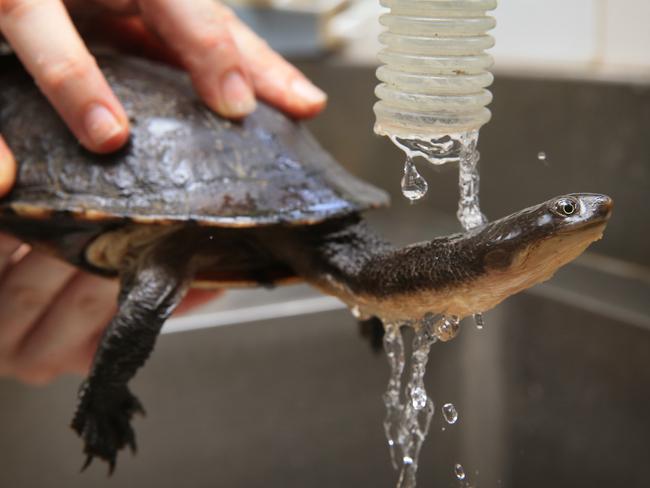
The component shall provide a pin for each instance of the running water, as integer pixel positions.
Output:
(469, 210)
(460, 148)
(408, 407)
(394, 347)
(459, 471)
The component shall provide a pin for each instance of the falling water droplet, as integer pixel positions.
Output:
(459, 471)
(450, 413)
(414, 186)
(419, 398)
(478, 320)
(356, 311)
(541, 156)
(448, 328)
(408, 420)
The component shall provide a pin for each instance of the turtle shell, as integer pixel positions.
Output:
(182, 162)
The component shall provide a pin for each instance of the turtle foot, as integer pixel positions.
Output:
(103, 421)
(372, 330)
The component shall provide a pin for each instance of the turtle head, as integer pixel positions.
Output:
(528, 247)
(544, 236)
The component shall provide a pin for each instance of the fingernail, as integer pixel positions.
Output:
(237, 98)
(307, 91)
(101, 125)
(7, 168)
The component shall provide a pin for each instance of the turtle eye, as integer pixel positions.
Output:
(565, 207)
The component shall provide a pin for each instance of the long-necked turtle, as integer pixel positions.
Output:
(198, 200)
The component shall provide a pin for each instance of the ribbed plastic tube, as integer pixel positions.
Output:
(435, 70)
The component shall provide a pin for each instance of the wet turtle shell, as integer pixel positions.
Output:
(182, 162)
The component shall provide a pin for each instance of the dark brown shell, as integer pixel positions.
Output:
(182, 163)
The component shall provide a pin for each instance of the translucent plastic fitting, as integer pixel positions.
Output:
(435, 69)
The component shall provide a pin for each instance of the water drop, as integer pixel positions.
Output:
(419, 398)
(161, 126)
(450, 413)
(414, 186)
(356, 312)
(541, 156)
(459, 471)
(478, 320)
(408, 416)
(448, 328)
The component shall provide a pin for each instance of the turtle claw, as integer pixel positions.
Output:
(372, 330)
(103, 421)
(89, 460)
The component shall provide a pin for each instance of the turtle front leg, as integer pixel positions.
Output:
(149, 294)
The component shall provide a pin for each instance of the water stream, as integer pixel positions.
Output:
(409, 409)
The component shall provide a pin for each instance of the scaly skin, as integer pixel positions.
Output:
(460, 274)
(197, 198)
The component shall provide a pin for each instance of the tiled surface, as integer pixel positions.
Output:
(548, 31)
(627, 32)
(586, 38)
(596, 36)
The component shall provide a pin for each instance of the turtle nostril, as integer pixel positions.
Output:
(605, 205)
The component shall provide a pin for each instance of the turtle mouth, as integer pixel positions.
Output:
(585, 226)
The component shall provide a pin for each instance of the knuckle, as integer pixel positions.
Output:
(59, 72)
(89, 304)
(28, 298)
(216, 38)
(226, 14)
(36, 376)
(8, 245)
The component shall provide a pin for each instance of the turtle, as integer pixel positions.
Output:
(196, 200)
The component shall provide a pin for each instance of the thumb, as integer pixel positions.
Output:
(7, 168)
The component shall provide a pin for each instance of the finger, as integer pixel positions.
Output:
(195, 298)
(59, 341)
(8, 246)
(131, 36)
(26, 291)
(85, 9)
(47, 43)
(118, 7)
(81, 360)
(197, 31)
(7, 168)
(275, 80)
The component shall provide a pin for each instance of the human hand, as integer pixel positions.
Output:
(229, 65)
(52, 314)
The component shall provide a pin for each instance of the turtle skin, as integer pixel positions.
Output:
(196, 199)
(184, 167)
